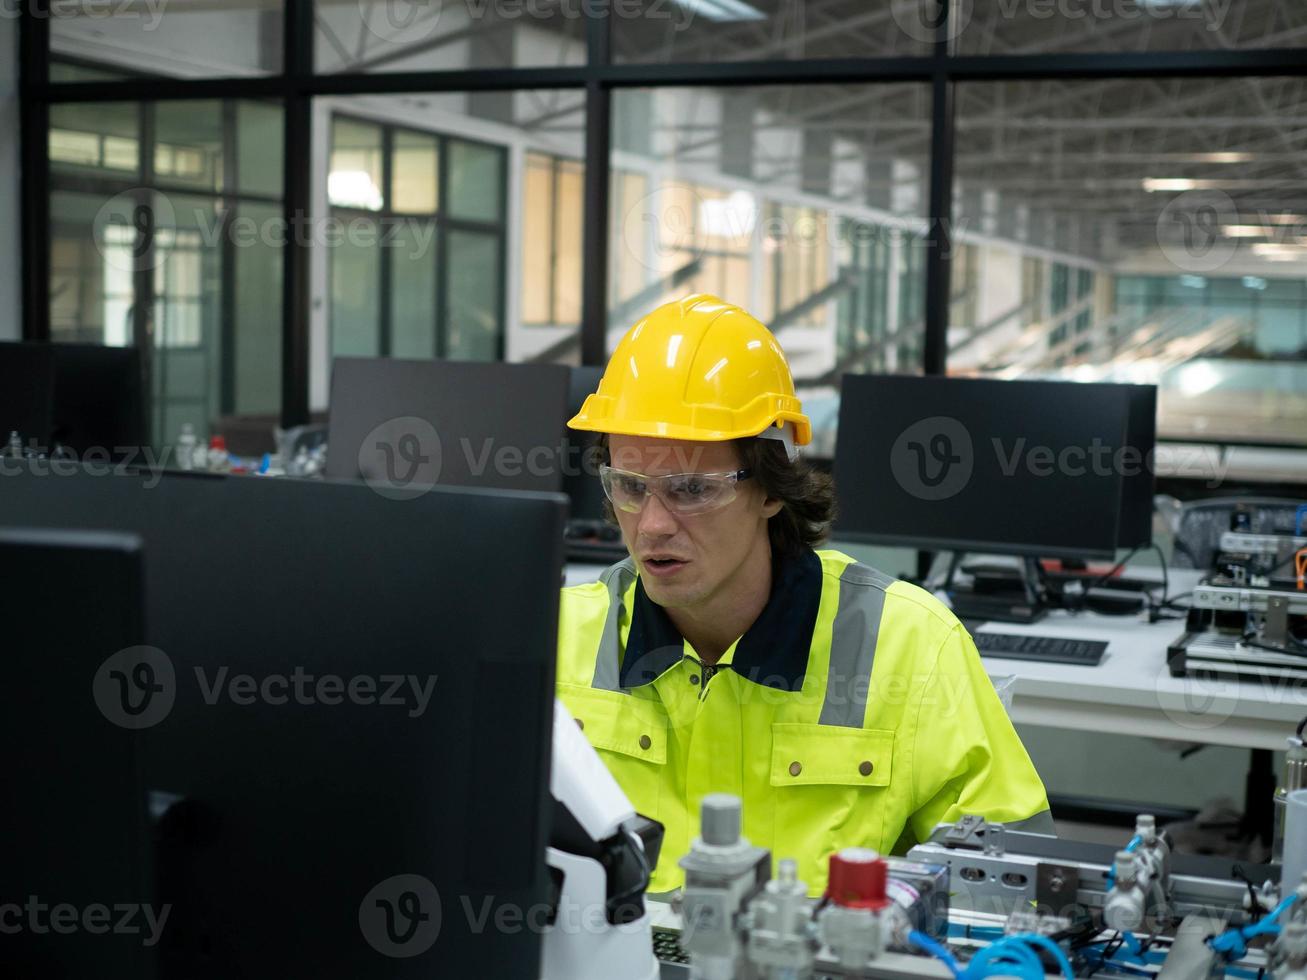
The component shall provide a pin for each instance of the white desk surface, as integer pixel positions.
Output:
(1132, 691)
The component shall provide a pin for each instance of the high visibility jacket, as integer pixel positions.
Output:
(853, 712)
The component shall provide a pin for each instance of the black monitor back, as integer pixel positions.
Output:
(26, 391)
(1045, 468)
(582, 484)
(99, 400)
(455, 423)
(82, 396)
(73, 828)
(292, 821)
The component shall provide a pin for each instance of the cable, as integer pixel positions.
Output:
(1255, 906)
(924, 942)
(1294, 644)
(1166, 579)
(1116, 568)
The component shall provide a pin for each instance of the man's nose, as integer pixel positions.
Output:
(656, 519)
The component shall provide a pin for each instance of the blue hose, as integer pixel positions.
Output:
(1135, 841)
(941, 953)
(1010, 956)
(1234, 943)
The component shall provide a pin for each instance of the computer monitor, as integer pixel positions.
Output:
(357, 729)
(1036, 468)
(581, 483)
(73, 827)
(26, 392)
(81, 396)
(99, 400)
(455, 423)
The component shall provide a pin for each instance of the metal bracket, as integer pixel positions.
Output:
(1055, 889)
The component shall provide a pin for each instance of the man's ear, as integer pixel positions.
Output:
(771, 507)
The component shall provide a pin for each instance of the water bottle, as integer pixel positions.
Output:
(219, 458)
(15, 449)
(186, 447)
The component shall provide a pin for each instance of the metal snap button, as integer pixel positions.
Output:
(645, 741)
(866, 768)
(795, 768)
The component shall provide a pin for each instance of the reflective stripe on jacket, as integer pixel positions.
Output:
(854, 712)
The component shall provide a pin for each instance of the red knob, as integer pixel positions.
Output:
(857, 879)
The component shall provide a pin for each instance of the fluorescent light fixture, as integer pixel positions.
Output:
(1254, 282)
(1245, 231)
(721, 11)
(1152, 184)
(1224, 157)
(1276, 252)
(1193, 282)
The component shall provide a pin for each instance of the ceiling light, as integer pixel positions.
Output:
(1224, 157)
(1152, 184)
(722, 11)
(1245, 231)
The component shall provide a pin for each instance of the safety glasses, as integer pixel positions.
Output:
(684, 493)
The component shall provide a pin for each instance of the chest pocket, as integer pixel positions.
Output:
(630, 734)
(832, 787)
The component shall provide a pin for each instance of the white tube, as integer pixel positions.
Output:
(1295, 841)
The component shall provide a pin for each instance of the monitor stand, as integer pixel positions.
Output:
(1011, 598)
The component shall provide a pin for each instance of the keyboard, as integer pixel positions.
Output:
(1046, 649)
(667, 946)
(593, 542)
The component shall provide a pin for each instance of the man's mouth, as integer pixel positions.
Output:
(663, 565)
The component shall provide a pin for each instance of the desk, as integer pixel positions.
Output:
(1132, 691)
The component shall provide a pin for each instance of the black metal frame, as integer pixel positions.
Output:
(298, 85)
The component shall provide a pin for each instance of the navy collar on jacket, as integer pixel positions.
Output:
(773, 651)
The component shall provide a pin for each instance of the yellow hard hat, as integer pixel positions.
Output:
(698, 369)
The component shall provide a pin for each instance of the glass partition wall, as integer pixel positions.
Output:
(1084, 191)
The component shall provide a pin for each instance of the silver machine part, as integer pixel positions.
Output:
(1295, 841)
(1059, 877)
(721, 878)
(1295, 778)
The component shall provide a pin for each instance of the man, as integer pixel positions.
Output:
(726, 655)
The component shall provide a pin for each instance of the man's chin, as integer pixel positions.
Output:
(670, 594)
